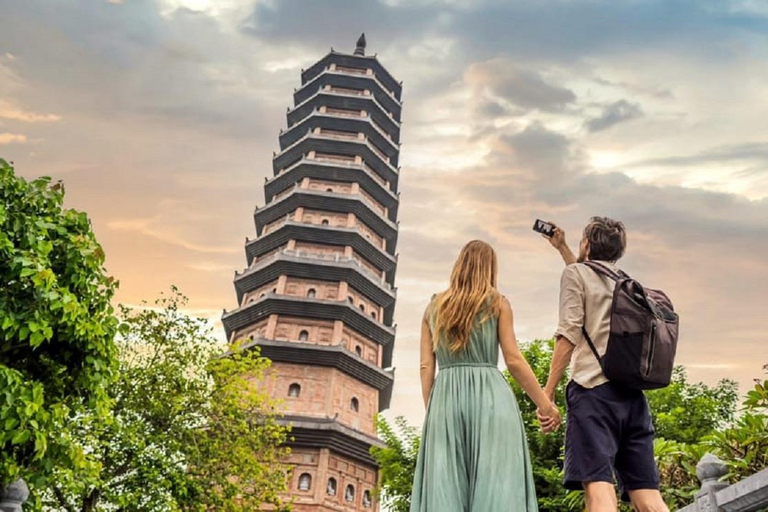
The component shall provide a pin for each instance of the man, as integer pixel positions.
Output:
(608, 427)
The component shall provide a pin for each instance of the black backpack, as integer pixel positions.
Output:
(643, 336)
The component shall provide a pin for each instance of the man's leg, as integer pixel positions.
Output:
(590, 445)
(647, 500)
(600, 497)
(635, 465)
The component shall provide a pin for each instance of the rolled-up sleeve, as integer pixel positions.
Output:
(571, 318)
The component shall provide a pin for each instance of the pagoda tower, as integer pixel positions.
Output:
(317, 296)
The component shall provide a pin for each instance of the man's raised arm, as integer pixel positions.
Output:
(558, 242)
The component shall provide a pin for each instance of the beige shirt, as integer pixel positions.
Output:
(585, 300)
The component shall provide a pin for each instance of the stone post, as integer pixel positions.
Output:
(13, 496)
(710, 470)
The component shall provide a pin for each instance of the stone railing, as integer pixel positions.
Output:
(747, 495)
(13, 496)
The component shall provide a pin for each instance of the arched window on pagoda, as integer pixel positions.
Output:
(305, 482)
(325, 222)
(367, 502)
(354, 404)
(330, 489)
(311, 293)
(304, 335)
(359, 350)
(294, 390)
(349, 494)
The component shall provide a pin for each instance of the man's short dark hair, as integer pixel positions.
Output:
(607, 239)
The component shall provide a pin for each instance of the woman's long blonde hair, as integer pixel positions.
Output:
(473, 280)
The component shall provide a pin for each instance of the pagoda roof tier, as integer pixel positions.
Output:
(324, 235)
(329, 202)
(334, 356)
(334, 79)
(331, 145)
(304, 264)
(354, 61)
(308, 432)
(342, 123)
(321, 309)
(333, 171)
(340, 100)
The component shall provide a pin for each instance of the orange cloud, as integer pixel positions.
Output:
(12, 138)
(9, 111)
(147, 228)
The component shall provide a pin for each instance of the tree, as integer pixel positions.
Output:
(190, 431)
(57, 354)
(744, 444)
(397, 462)
(687, 412)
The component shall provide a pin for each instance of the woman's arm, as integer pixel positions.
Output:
(427, 358)
(519, 368)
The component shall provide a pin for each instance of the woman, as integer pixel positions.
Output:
(473, 455)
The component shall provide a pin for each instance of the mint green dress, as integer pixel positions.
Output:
(473, 455)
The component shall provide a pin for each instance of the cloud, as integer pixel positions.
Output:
(614, 114)
(8, 111)
(751, 151)
(12, 138)
(150, 228)
(522, 88)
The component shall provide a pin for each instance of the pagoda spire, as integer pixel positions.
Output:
(360, 50)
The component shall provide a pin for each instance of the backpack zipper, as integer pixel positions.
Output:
(651, 350)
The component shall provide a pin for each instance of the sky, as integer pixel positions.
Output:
(161, 117)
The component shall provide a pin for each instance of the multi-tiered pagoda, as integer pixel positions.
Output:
(318, 295)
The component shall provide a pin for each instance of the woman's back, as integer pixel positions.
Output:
(482, 349)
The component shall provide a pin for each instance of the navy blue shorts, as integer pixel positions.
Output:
(609, 432)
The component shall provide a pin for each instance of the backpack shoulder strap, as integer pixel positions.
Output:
(602, 269)
(592, 346)
(616, 276)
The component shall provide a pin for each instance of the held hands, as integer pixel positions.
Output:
(549, 417)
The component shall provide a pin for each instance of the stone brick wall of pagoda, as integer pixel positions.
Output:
(317, 296)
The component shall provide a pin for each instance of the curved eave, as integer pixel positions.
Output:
(351, 147)
(333, 172)
(346, 101)
(344, 80)
(290, 305)
(323, 235)
(359, 61)
(308, 432)
(324, 270)
(330, 202)
(334, 356)
(341, 123)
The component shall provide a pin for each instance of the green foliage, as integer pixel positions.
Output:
(677, 470)
(57, 354)
(687, 412)
(695, 419)
(744, 445)
(397, 462)
(190, 431)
